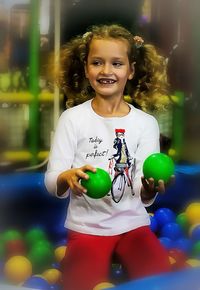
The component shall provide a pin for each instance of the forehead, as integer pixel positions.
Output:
(109, 47)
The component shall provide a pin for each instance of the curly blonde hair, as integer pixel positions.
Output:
(149, 87)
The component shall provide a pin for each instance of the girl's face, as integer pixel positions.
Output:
(108, 67)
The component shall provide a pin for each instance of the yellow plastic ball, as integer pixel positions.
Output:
(193, 263)
(193, 213)
(17, 269)
(60, 253)
(52, 276)
(103, 285)
(172, 152)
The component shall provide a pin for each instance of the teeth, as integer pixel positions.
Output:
(106, 81)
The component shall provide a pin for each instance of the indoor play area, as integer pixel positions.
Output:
(33, 239)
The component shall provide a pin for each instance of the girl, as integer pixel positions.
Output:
(106, 132)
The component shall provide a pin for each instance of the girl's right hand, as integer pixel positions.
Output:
(70, 179)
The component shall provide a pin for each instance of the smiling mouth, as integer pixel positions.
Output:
(106, 81)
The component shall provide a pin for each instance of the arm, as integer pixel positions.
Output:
(61, 155)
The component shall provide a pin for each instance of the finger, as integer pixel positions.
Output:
(81, 174)
(145, 183)
(79, 188)
(161, 186)
(151, 184)
(88, 167)
(171, 180)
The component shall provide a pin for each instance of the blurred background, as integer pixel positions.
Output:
(31, 32)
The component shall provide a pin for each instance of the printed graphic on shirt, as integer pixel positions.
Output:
(123, 165)
(95, 142)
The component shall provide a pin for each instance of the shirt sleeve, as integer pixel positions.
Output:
(148, 144)
(62, 152)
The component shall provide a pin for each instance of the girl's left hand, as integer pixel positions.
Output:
(149, 188)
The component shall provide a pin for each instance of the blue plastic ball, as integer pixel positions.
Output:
(172, 231)
(166, 242)
(153, 224)
(184, 245)
(164, 216)
(37, 283)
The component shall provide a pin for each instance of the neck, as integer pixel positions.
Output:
(107, 107)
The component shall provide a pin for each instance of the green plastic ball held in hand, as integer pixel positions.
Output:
(158, 166)
(99, 183)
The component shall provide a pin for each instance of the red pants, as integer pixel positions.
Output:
(89, 257)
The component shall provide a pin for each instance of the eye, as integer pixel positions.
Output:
(96, 62)
(117, 64)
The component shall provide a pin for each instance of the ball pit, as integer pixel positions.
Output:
(17, 269)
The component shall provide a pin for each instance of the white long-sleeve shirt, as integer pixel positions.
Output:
(118, 145)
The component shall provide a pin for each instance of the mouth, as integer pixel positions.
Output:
(105, 81)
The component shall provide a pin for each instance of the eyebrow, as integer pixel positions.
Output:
(113, 58)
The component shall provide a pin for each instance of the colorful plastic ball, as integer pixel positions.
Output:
(166, 242)
(99, 183)
(43, 243)
(34, 235)
(195, 233)
(196, 249)
(182, 220)
(15, 248)
(17, 269)
(11, 235)
(41, 257)
(59, 231)
(158, 166)
(193, 263)
(193, 213)
(55, 287)
(62, 242)
(55, 265)
(103, 285)
(60, 253)
(37, 283)
(2, 250)
(52, 276)
(164, 216)
(117, 273)
(183, 244)
(172, 231)
(153, 224)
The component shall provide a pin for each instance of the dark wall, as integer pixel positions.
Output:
(78, 15)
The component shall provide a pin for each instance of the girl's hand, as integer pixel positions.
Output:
(70, 179)
(149, 189)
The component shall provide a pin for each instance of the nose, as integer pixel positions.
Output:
(106, 69)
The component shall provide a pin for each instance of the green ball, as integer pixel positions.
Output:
(158, 166)
(182, 220)
(11, 235)
(34, 235)
(41, 257)
(99, 183)
(196, 249)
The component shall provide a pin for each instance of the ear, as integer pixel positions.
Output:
(132, 71)
(85, 68)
